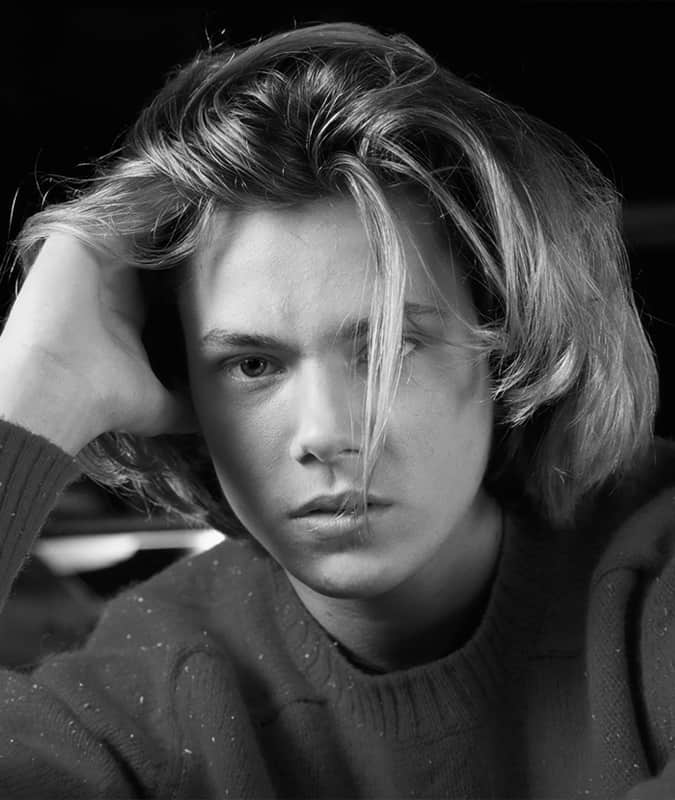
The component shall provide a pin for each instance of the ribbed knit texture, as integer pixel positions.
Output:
(33, 472)
(212, 680)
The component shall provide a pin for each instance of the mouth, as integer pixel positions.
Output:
(348, 505)
(325, 525)
(348, 511)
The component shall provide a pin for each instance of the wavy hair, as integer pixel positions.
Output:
(342, 109)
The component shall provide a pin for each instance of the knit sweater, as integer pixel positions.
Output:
(211, 680)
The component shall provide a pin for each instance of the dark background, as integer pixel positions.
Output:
(71, 81)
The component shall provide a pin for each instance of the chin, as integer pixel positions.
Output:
(347, 576)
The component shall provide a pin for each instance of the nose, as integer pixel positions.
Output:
(327, 418)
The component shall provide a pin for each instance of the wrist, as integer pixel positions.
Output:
(48, 406)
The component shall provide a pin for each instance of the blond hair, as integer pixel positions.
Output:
(341, 109)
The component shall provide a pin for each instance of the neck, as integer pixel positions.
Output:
(427, 616)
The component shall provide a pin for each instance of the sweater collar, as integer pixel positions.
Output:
(450, 693)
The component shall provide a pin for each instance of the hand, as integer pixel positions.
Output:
(71, 358)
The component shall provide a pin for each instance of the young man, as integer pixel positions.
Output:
(435, 466)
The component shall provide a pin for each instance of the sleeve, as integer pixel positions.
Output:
(33, 473)
(89, 724)
(655, 673)
(68, 729)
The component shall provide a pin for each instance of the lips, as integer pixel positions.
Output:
(351, 509)
(351, 502)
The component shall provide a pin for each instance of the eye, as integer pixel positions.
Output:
(251, 367)
(408, 346)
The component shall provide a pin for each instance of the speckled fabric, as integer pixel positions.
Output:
(211, 680)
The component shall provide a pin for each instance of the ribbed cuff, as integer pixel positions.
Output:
(33, 473)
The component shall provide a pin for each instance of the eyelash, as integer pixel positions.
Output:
(232, 364)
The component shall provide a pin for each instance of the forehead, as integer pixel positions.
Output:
(305, 269)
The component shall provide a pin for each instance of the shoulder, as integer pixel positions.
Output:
(195, 601)
(635, 581)
(638, 516)
(221, 573)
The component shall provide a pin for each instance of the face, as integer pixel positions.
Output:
(279, 394)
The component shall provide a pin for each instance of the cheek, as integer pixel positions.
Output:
(448, 416)
(244, 446)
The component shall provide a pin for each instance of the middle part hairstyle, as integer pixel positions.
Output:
(343, 110)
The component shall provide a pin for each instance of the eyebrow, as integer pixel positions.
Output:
(350, 329)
